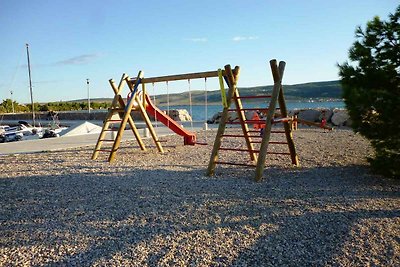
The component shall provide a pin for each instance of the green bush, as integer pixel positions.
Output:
(371, 89)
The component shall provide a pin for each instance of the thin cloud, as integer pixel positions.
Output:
(79, 60)
(197, 40)
(244, 38)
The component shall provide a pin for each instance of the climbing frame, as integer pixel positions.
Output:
(257, 156)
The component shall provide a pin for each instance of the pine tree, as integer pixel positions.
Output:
(371, 89)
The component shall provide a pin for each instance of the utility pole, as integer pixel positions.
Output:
(88, 95)
(12, 102)
(30, 85)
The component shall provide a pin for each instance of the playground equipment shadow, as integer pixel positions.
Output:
(149, 217)
(152, 209)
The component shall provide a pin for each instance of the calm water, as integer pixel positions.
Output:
(199, 111)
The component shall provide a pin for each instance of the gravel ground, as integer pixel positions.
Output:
(152, 209)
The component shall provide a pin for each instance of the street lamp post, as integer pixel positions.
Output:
(88, 95)
(30, 85)
(12, 102)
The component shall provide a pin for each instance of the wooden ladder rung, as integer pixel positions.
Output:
(279, 120)
(261, 122)
(239, 149)
(270, 142)
(114, 120)
(273, 131)
(241, 135)
(254, 151)
(234, 163)
(247, 121)
(107, 140)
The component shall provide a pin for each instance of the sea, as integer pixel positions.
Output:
(201, 112)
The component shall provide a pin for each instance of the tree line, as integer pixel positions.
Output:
(9, 106)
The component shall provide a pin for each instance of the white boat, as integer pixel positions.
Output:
(16, 133)
(25, 131)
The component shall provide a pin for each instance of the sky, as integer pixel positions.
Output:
(71, 41)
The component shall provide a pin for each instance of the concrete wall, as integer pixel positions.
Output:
(67, 115)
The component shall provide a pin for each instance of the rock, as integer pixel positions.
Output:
(313, 115)
(232, 116)
(293, 112)
(180, 115)
(215, 118)
(339, 117)
(310, 115)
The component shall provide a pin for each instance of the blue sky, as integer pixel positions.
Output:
(74, 40)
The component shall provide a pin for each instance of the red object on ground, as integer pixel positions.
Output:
(323, 123)
(189, 138)
(260, 125)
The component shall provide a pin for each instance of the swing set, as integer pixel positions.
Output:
(138, 100)
(120, 113)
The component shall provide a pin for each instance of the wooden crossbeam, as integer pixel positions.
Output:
(177, 77)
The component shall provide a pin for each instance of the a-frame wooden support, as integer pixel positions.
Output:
(277, 96)
(120, 113)
(233, 96)
(231, 78)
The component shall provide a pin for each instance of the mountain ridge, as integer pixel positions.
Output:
(324, 90)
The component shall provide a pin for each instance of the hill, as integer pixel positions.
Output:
(298, 92)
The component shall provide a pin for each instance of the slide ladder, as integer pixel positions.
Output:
(256, 143)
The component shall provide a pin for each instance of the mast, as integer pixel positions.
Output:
(30, 85)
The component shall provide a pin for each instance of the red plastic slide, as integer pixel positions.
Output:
(188, 137)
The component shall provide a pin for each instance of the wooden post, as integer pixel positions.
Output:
(121, 129)
(222, 123)
(286, 125)
(144, 95)
(145, 117)
(149, 125)
(121, 114)
(278, 75)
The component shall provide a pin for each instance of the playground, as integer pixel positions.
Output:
(274, 107)
(250, 192)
